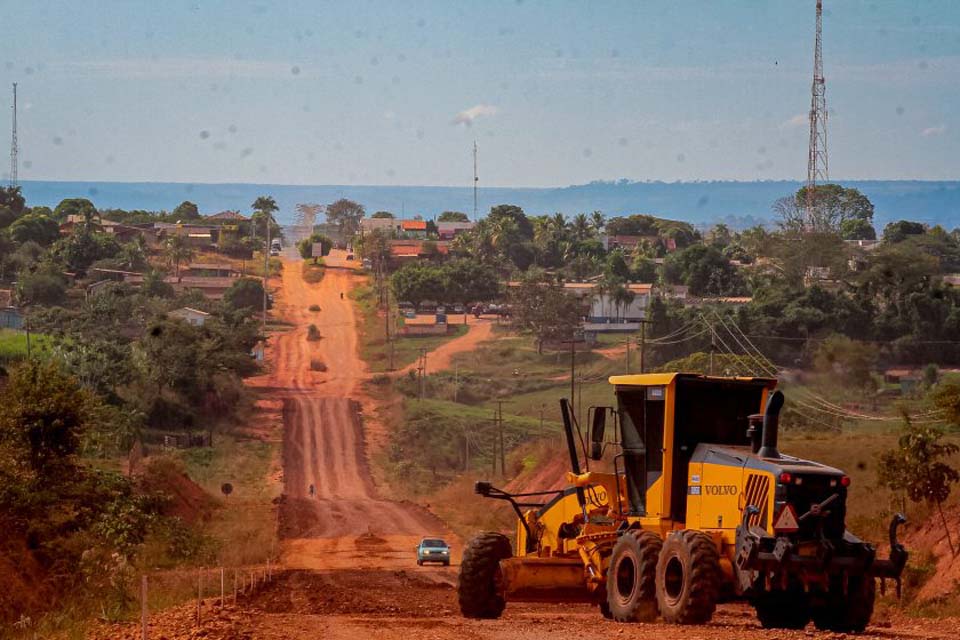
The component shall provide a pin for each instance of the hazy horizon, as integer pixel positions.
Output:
(376, 93)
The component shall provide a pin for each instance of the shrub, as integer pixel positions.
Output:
(315, 308)
(317, 365)
(313, 334)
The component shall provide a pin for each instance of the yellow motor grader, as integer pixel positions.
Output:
(697, 506)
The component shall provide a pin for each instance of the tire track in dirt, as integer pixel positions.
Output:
(343, 522)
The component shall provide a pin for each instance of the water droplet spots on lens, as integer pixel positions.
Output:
(57, 140)
(204, 134)
(295, 70)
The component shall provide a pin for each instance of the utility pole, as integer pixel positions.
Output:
(14, 150)
(573, 368)
(503, 459)
(643, 344)
(542, 406)
(817, 168)
(626, 368)
(493, 458)
(476, 179)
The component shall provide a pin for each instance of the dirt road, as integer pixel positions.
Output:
(348, 553)
(440, 358)
(341, 521)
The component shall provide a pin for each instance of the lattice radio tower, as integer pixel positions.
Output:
(817, 170)
(14, 163)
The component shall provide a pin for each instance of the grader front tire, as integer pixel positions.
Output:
(631, 577)
(479, 590)
(688, 578)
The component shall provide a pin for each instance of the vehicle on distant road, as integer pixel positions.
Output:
(433, 550)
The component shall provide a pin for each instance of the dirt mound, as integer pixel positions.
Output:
(371, 592)
(187, 500)
(930, 537)
(25, 590)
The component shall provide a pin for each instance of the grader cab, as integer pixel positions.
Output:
(696, 506)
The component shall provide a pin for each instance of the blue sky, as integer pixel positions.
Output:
(555, 93)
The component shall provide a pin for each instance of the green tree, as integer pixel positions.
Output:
(36, 228)
(346, 216)
(513, 213)
(84, 247)
(543, 309)
(900, 230)
(946, 398)
(167, 356)
(43, 414)
(305, 246)
(857, 229)
(177, 251)
(155, 285)
(452, 216)
(264, 207)
(383, 214)
(832, 206)
(468, 281)
(186, 210)
(245, 293)
(705, 270)
(12, 205)
(417, 282)
(75, 207)
(917, 468)
(849, 360)
(41, 287)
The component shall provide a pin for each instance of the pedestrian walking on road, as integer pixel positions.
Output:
(313, 491)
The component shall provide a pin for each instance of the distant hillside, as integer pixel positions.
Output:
(737, 203)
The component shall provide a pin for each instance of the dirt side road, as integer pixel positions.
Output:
(440, 358)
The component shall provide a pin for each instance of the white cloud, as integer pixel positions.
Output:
(796, 121)
(932, 132)
(467, 116)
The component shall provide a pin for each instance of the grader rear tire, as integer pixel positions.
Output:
(788, 609)
(479, 590)
(631, 578)
(848, 613)
(688, 578)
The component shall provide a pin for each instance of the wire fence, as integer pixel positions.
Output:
(210, 589)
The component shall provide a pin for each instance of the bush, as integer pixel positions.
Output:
(164, 413)
(315, 308)
(245, 293)
(313, 334)
(317, 365)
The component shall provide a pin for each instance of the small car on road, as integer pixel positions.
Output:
(433, 550)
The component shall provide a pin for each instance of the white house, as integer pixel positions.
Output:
(190, 316)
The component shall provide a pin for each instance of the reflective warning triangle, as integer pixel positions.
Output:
(787, 520)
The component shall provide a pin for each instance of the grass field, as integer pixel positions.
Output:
(245, 524)
(374, 348)
(13, 345)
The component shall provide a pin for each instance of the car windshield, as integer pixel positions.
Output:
(433, 543)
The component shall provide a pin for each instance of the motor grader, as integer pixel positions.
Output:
(695, 506)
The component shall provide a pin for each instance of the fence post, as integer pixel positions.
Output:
(221, 587)
(235, 587)
(143, 606)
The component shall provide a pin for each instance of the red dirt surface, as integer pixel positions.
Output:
(931, 537)
(323, 437)
(440, 358)
(349, 553)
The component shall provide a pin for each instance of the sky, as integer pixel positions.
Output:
(553, 92)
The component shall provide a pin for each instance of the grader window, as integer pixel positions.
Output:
(641, 426)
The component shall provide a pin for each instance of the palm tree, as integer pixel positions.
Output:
(265, 206)
(177, 251)
(598, 221)
(580, 227)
